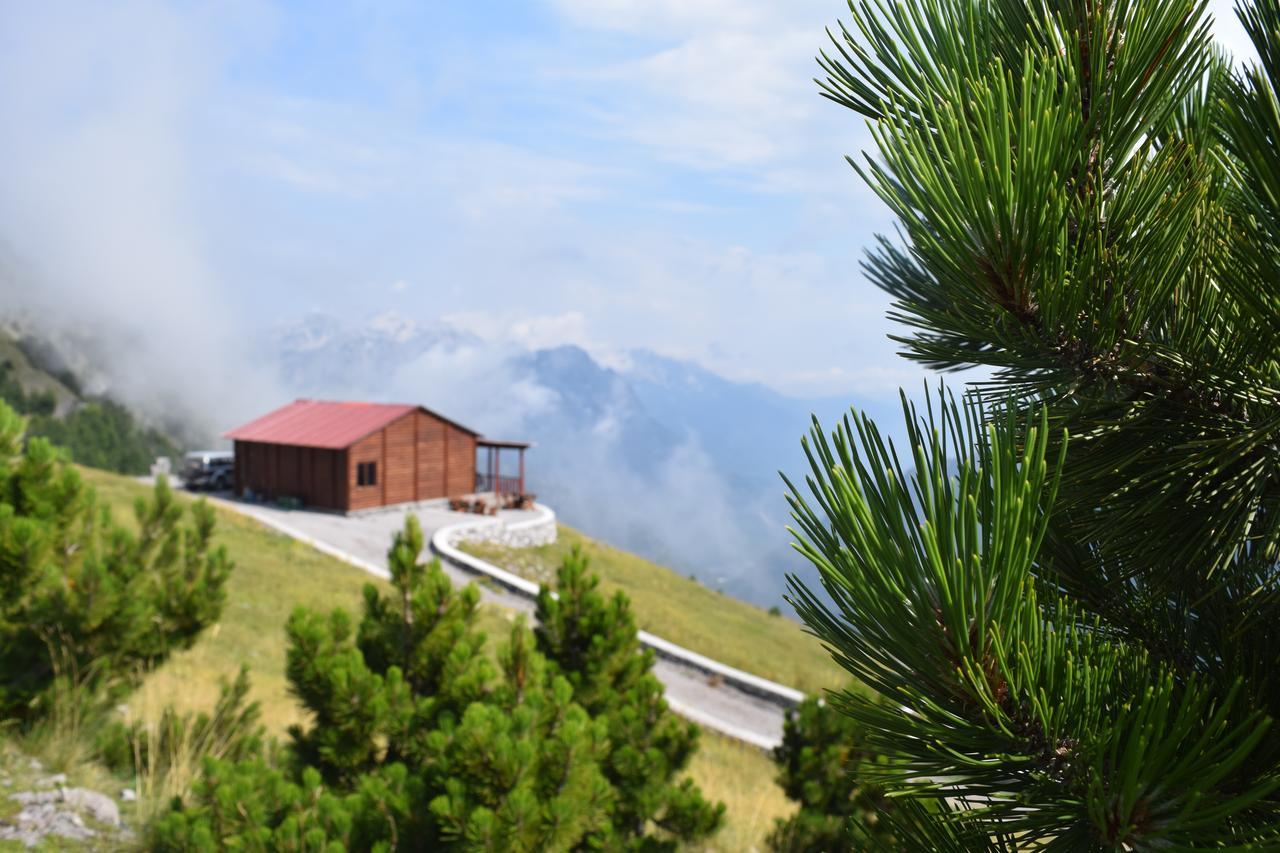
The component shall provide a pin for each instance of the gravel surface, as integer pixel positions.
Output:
(364, 540)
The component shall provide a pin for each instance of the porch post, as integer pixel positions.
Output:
(497, 471)
(522, 471)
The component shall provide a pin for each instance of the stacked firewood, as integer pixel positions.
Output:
(488, 504)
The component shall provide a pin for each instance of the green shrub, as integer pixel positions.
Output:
(164, 756)
(84, 602)
(416, 740)
(593, 643)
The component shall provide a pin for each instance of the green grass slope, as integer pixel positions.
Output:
(274, 574)
(684, 611)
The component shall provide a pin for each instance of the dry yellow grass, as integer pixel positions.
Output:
(742, 777)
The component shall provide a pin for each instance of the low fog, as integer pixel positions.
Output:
(101, 243)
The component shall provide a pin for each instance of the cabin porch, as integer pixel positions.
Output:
(490, 457)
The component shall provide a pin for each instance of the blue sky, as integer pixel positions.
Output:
(611, 173)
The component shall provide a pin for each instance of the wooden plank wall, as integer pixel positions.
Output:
(239, 471)
(446, 459)
(271, 471)
(430, 450)
(399, 463)
(461, 457)
(368, 449)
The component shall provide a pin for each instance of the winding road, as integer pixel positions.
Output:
(714, 702)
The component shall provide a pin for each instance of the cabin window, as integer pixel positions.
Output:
(366, 473)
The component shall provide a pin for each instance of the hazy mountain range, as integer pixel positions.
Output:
(655, 455)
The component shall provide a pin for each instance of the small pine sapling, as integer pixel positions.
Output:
(592, 642)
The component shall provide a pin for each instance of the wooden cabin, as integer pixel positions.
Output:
(356, 456)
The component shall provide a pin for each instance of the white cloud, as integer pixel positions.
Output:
(869, 380)
(358, 152)
(122, 123)
(724, 86)
(695, 113)
(476, 384)
(666, 17)
(728, 85)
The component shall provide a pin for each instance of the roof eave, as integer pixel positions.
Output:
(481, 441)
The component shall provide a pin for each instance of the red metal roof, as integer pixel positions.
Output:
(322, 423)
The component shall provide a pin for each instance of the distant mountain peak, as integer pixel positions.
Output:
(394, 326)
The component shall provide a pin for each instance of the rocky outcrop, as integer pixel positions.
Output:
(69, 814)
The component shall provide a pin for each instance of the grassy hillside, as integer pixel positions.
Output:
(274, 574)
(686, 612)
(744, 779)
(96, 431)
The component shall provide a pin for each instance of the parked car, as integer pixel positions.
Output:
(208, 469)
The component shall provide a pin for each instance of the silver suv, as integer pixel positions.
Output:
(209, 469)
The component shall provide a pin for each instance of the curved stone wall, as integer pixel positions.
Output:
(527, 533)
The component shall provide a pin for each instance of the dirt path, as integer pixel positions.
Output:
(363, 542)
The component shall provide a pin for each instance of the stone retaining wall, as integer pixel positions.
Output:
(521, 534)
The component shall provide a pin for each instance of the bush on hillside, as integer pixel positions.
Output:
(163, 756)
(86, 605)
(415, 739)
(156, 748)
(593, 643)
